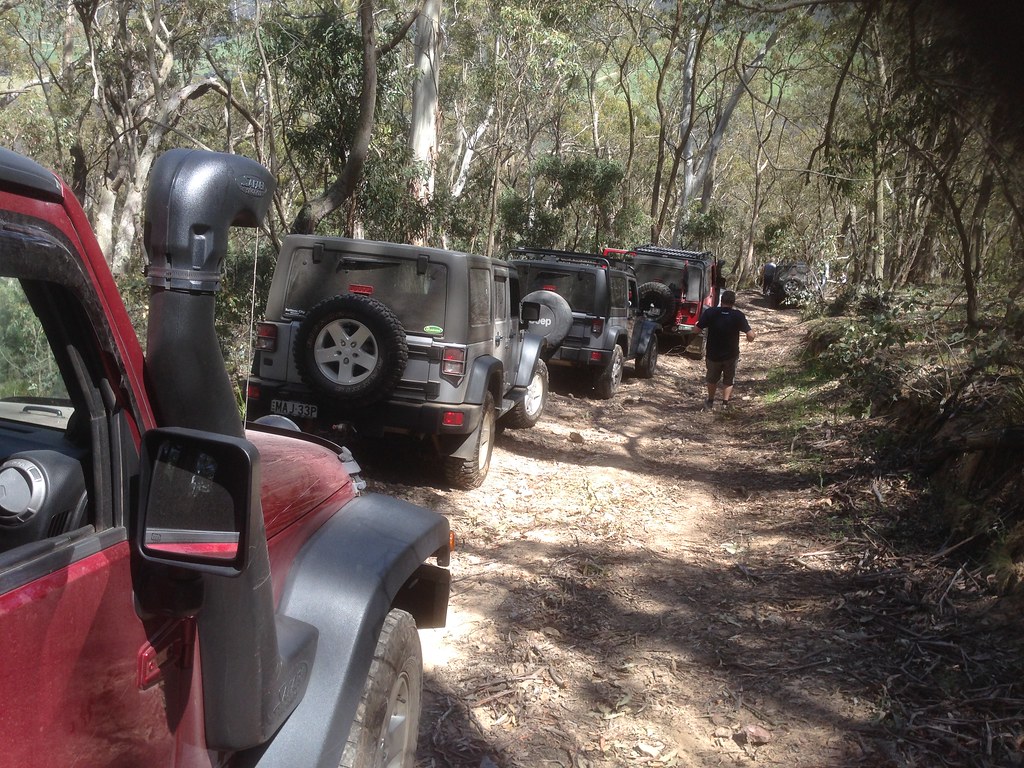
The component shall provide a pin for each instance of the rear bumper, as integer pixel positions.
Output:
(392, 415)
(580, 356)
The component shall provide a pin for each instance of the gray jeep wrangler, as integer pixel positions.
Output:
(792, 282)
(591, 316)
(398, 339)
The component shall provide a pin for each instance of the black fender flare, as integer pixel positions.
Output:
(485, 371)
(648, 330)
(343, 582)
(529, 353)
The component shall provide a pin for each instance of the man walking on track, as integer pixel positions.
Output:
(722, 327)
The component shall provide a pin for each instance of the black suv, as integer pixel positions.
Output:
(678, 285)
(391, 338)
(590, 314)
(790, 282)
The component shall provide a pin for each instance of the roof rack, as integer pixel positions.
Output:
(571, 257)
(660, 250)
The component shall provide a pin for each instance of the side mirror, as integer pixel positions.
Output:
(196, 495)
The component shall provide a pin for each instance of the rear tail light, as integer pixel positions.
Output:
(252, 391)
(453, 361)
(595, 356)
(453, 418)
(266, 337)
(597, 326)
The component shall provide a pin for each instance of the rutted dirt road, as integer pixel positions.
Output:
(642, 583)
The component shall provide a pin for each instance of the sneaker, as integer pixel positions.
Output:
(708, 404)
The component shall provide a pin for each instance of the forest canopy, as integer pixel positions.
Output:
(875, 139)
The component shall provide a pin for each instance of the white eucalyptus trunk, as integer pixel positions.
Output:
(423, 129)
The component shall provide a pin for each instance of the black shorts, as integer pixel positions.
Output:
(722, 369)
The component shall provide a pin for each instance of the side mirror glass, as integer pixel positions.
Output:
(196, 493)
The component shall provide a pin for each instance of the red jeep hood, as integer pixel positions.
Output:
(297, 477)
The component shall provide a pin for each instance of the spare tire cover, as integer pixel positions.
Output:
(555, 317)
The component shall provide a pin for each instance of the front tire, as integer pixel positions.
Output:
(527, 411)
(467, 474)
(610, 378)
(385, 728)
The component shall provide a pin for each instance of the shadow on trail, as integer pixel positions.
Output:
(773, 642)
(741, 632)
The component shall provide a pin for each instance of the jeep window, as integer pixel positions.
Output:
(673, 277)
(577, 288)
(694, 285)
(619, 293)
(479, 296)
(31, 387)
(500, 297)
(415, 290)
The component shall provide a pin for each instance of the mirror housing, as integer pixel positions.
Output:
(529, 312)
(197, 491)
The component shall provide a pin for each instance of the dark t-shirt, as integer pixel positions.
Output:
(723, 326)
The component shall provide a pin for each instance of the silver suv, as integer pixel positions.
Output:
(399, 339)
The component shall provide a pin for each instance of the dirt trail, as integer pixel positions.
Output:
(638, 583)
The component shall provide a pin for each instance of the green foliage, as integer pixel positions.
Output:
(701, 229)
(576, 204)
(524, 226)
(320, 64)
(861, 344)
(780, 241)
(27, 365)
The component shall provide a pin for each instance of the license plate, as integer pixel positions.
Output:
(293, 408)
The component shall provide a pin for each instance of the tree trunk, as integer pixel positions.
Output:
(700, 174)
(469, 153)
(339, 192)
(423, 127)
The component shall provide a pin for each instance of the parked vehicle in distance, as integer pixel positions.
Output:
(397, 339)
(678, 285)
(791, 282)
(178, 588)
(604, 325)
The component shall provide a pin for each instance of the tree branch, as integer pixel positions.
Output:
(826, 141)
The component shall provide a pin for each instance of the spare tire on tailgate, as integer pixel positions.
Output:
(555, 318)
(351, 348)
(659, 296)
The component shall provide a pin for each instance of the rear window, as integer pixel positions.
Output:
(415, 290)
(579, 288)
(673, 276)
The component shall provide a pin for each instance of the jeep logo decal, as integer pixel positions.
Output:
(545, 321)
(252, 186)
(291, 688)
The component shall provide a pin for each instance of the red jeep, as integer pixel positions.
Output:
(176, 588)
(678, 285)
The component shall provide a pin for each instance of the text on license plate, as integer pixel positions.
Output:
(293, 408)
